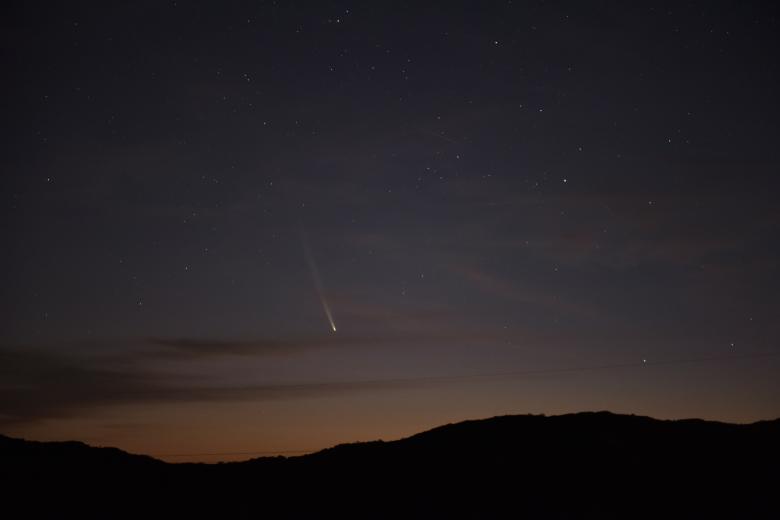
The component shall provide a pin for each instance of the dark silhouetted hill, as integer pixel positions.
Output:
(587, 465)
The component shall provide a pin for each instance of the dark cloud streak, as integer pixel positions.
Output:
(39, 385)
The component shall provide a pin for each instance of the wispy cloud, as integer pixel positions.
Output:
(493, 285)
(43, 382)
(184, 349)
(37, 384)
(199, 348)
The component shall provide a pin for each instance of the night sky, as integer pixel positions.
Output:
(239, 228)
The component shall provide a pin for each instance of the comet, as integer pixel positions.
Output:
(315, 274)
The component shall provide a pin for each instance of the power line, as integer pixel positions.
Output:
(489, 375)
(229, 453)
(520, 373)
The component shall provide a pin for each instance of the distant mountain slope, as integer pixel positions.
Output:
(587, 465)
(47, 453)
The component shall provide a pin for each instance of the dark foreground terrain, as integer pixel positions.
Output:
(587, 465)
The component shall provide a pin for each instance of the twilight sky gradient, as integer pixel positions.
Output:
(508, 207)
